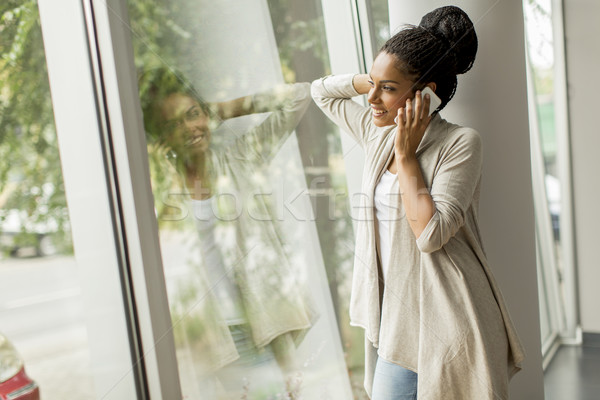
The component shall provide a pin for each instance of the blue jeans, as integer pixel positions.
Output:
(393, 382)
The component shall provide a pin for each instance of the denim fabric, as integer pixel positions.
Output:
(393, 382)
(254, 375)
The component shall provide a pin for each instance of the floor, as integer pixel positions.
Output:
(574, 373)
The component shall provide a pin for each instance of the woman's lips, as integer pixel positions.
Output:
(197, 139)
(378, 113)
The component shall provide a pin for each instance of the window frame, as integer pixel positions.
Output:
(131, 341)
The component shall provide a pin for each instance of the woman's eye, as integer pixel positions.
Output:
(193, 113)
(389, 88)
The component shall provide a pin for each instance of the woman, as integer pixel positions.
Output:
(435, 323)
(244, 311)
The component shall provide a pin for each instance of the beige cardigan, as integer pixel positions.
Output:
(440, 313)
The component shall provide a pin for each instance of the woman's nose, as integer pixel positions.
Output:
(372, 96)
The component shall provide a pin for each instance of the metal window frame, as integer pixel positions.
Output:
(562, 310)
(115, 234)
(572, 333)
(89, 193)
(565, 310)
(546, 254)
(103, 147)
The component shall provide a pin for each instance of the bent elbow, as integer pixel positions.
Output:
(440, 229)
(319, 94)
(315, 91)
(428, 245)
(303, 92)
(430, 238)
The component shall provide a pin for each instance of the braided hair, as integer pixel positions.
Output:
(443, 45)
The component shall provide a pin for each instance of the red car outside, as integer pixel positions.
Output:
(14, 382)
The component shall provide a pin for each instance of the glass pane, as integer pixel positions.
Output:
(380, 19)
(304, 52)
(540, 44)
(41, 309)
(250, 197)
(541, 56)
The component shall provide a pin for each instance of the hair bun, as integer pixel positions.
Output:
(453, 26)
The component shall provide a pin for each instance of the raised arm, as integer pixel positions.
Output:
(277, 98)
(361, 83)
(333, 95)
(234, 108)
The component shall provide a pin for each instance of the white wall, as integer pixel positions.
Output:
(582, 31)
(492, 98)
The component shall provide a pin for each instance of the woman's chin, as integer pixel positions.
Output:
(380, 122)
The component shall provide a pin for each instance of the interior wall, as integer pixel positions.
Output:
(492, 98)
(583, 56)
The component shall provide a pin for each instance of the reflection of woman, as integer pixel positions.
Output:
(433, 315)
(252, 306)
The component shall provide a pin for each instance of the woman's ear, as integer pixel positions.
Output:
(432, 85)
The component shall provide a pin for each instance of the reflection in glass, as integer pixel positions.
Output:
(541, 56)
(252, 274)
(381, 22)
(250, 309)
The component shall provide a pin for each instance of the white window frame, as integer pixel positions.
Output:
(572, 333)
(112, 215)
(563, 310)
(103, 148)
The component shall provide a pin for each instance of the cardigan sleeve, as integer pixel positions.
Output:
(287, 104)
(333, 94)
(452, 190)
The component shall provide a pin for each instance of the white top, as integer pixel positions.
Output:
(385, 202)
(220, 280)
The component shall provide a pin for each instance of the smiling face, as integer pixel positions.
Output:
(186, 127)
(390, 89)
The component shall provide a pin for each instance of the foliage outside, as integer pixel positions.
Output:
(30, 174)
(31, 186)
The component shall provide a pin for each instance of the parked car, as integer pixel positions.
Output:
(14, 382)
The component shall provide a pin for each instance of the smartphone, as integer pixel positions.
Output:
(434, 100)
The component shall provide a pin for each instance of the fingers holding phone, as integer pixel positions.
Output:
(434, 102)
(412, 120)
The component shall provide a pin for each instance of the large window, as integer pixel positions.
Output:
(208, 197)
(250, 196)
(41, 303)
(551, 172)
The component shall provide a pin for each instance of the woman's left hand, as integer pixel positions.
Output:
(412, 120)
